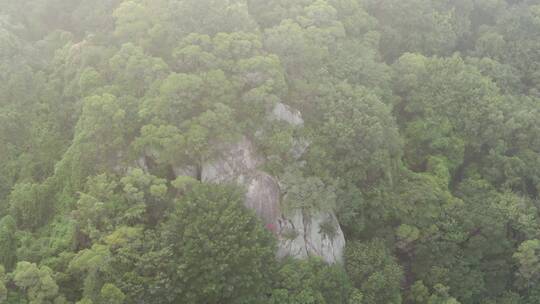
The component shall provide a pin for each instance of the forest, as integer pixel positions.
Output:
(270, 151)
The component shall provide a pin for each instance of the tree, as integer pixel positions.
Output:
(100, 141)
(219, 251)
(146, 198)
(110, 294)
(132, 20)
(91, 265)
(134, 70)
(427, 27)
(30, 205)
(3, 289)
(310, 281)
(37, 282)
(374, 271)
(528, 259)
(211, 17)
(306, 193)
(368, 141)
(435, 107)
(8, 242)
(415, 122)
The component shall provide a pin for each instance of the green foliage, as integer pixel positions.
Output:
(91, 265)
(3, 289)
(374, 272)
(36, 282)
(368, 141)
(30, 205)
(8, 242)
(421, 294)
(134, 70)
(414, 122)
(146, 197)
(306, 193)
(219, 252)
(528, 260)
(310, 281)
(427, 27)
(110, 294)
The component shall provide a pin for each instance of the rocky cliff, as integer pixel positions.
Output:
(300, 233)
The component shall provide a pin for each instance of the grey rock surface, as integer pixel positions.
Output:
(263, 195)
(237, 162)
(298, 232)
(190, 171)
(284, 112)
(300, 236)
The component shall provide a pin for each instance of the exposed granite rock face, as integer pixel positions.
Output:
(237, 163)
(299, 233)
(263, 196)
(284, 112)
(327, 244)
(240, 164)
(291, 235)
(190, 171)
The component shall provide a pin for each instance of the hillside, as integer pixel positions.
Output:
(270, 151)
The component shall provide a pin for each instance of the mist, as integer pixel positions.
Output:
(269, 151)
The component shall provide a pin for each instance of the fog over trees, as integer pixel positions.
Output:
(270, 151)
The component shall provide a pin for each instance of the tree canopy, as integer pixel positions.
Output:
(415, 122)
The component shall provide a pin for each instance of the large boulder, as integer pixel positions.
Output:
(324, 236)
(285, 113)
(237, 162)
(240, 164)
(303, 234)
(300, 233)
(263, 195)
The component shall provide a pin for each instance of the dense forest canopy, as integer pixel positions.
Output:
(418, 123)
